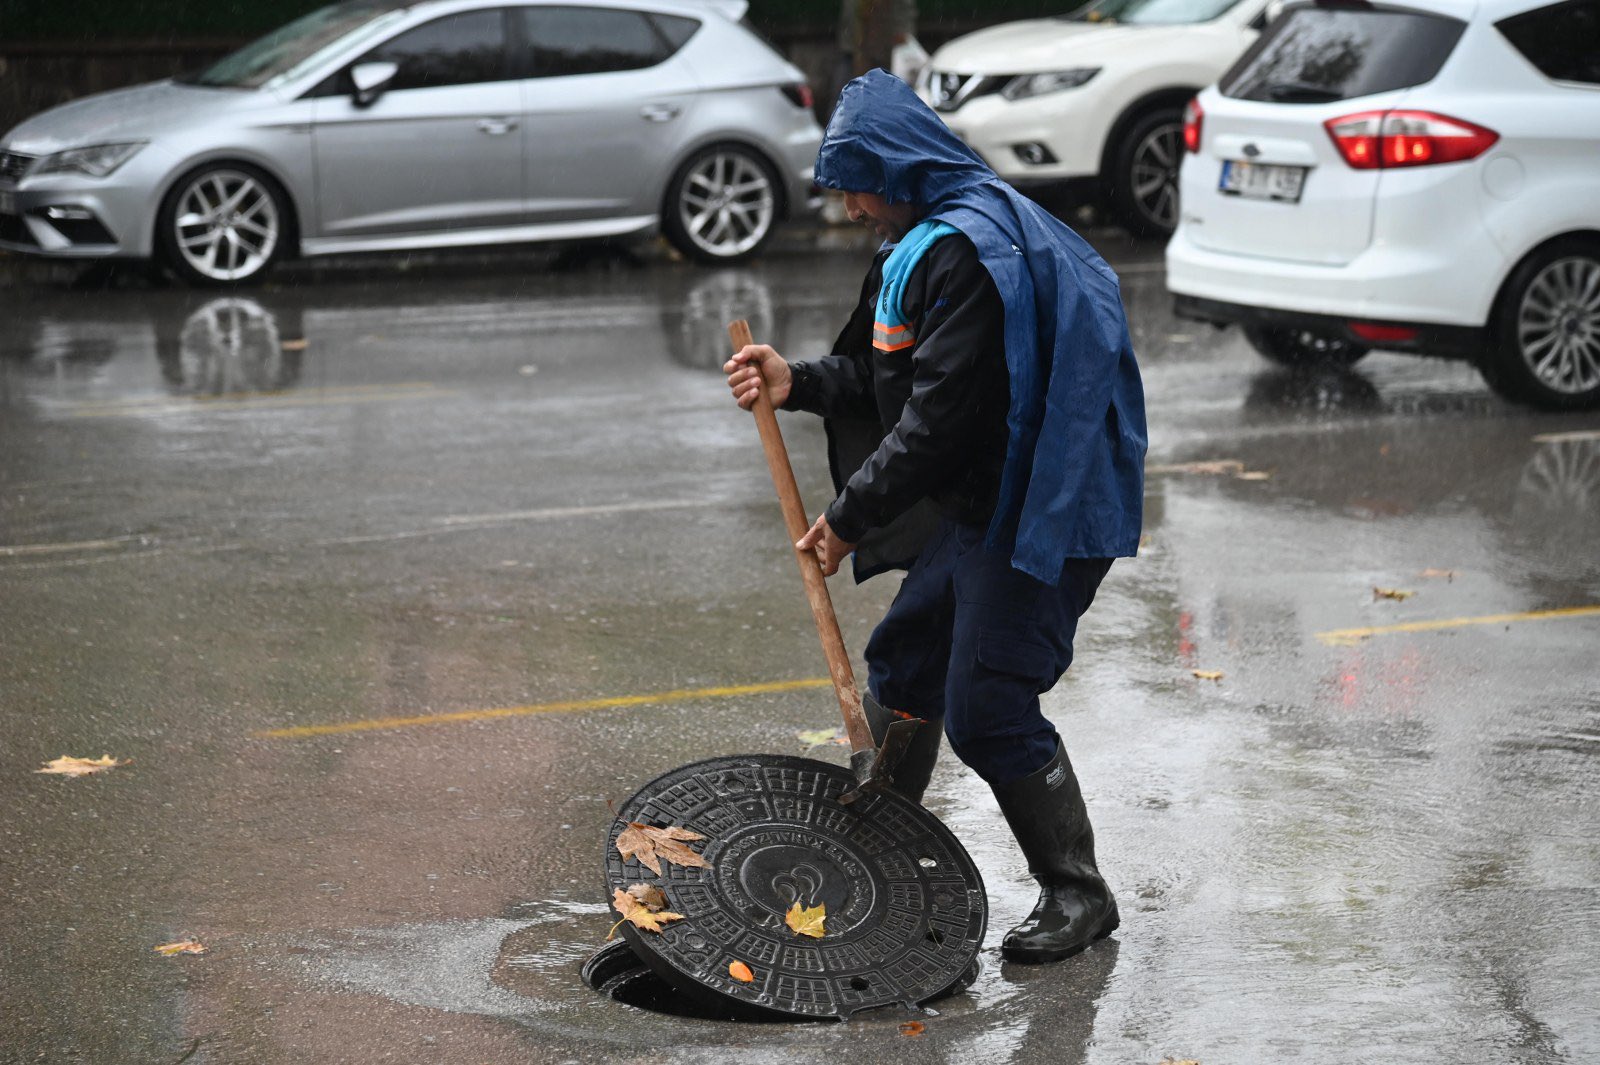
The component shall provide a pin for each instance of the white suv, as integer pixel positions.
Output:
(1094, 99)
(1419, 176)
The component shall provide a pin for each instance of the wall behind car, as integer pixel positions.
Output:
(51, 52)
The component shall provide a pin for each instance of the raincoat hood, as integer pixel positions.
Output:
(1073, 481)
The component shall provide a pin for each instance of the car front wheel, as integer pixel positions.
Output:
(1546, 349)
(722, 205)
(1288, 346)
(222, 224)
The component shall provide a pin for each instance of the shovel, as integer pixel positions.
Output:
(872, 765)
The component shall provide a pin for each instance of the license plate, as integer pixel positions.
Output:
(8, 203)
(1262, 181)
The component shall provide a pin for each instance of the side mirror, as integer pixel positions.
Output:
(370, 81)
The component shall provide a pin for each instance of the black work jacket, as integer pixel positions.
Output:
(917, 433)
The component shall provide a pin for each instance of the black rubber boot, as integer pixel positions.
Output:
(1075, 908)
(911, 776)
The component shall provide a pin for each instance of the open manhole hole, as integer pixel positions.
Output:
(618, 973)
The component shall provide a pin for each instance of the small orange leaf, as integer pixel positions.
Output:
(1434, 574)
(1207, 674)
(185, 946)
(806, 922)
(913, 1028)
(741, 972)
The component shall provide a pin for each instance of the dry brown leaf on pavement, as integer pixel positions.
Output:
(183, 946)
(806, 922)
(740, 972)
(69, 766)
(650, 844)
(912, 1028)
(638, 914)
(653, 898)
(1396, 594)
(1207, 674)
(1436, 574)
(1179, 1061)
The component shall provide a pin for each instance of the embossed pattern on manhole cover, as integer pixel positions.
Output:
(906, 911)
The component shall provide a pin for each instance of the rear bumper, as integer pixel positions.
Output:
(1444, 341)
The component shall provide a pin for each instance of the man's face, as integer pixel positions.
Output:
(891, 221)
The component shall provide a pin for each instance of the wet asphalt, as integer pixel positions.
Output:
(403, 490)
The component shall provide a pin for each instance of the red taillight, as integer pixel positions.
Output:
(1373, 140)
(799, 94)
(1193, 118)
(1375, 332)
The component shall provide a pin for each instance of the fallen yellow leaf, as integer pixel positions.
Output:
(1252, 475)
(817, 737)
(649, 844)
(740, 972)
(638, 914)
(185, 946)
(68, 766)
(806, 922)
(295, 344)
(1207, 674)
(1391, 593)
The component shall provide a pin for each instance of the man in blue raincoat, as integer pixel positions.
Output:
(986, 430)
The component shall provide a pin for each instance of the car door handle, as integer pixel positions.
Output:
(495, 127)
(658, 112)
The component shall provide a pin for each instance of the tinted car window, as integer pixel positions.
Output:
(455, 50)
(1319, 54)
(590, 40)
(676, 29)
(1562, 40)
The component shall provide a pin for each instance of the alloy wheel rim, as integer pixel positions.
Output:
(726, 204)
(1155, 174)
(1558, 326)
(226, 226)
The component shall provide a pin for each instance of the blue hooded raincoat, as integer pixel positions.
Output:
(1073, 481)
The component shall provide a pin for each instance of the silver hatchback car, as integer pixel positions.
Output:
(376, 125)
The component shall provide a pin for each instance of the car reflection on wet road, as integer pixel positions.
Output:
(388, 585)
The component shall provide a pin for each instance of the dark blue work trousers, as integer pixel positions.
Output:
(974, 640)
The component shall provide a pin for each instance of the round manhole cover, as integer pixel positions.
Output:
(905, 905)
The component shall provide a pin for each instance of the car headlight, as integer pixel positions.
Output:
(1025, 85)
(97, 160)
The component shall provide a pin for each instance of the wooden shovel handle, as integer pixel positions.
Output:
(794, 517)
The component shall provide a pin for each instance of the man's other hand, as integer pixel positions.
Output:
(829, 548)
(742, 372)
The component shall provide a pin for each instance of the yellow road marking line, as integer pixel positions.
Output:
(264, 401)
(163, 399)
(1562, 438)
(75, 545)
(553, 513)
(1346, 637)
(678, 695)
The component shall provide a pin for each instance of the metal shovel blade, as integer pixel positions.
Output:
(874, 767)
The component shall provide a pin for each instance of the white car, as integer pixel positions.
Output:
(1422, 176)
(1091, 100)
